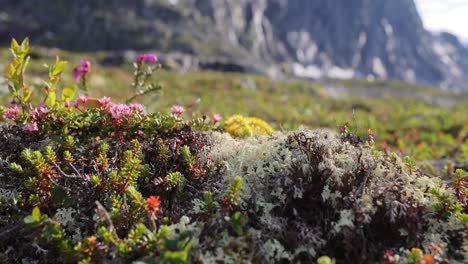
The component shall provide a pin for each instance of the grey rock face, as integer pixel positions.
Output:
(380, 39)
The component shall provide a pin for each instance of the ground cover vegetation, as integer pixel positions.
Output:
(91, 177)
(413, 124)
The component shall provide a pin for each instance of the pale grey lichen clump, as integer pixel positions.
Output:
(255, 159)
(311, 193)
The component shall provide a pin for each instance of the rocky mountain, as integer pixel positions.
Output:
(376, 39)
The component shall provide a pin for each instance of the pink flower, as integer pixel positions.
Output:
(216, 118)
(87, 177)
(178, 110)
(104, 102)
(147, 58)
(31, 127)
(35, 115)
(137, 108)
(83, 99)
(85, 65)
(44, 110)
(38, 112)
(12, 113)
(66, 104)
(119, 110)
(75, 104)
(82, 70)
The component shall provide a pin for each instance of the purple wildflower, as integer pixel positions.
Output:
(83, 99)
(34, 114)
(12, 113)
(44, 110)
(117, 111)
(104, 102)
(137, 108)
(31, 127)
(147, 58)
(82, 70)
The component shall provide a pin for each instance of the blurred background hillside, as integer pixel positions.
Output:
(379, 39)
(377, 63)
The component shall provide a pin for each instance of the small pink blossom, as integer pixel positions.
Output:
(87, 177)
(83, 99)
(44, 110)
(147, 58)
(137, 108)
(66, 104)
(31, 127)
(34, 114)
(117, 111)
(104, 102)
(216, 118)
(82, 70)
(39, 111)
(12, 113)
(75, 104)
(85, 65)
(178, 110)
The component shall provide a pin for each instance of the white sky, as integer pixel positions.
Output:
(445, 15)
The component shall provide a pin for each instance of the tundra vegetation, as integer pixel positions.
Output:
(94, 179)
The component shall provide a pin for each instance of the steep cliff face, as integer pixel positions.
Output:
(325, 38)
(360, 38)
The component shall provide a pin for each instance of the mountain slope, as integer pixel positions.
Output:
(337, 38)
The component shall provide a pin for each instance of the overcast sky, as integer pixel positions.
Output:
(445, 15)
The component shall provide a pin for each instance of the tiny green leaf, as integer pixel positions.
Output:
(14, 43)
(25, 64)
(68, 93)
(51, 98)
(36, 214)
(58, 67)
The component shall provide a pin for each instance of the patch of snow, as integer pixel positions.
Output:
(298, 39)
(387, 27)
(311, 51)
(306, 49)
(447, 53)
(362, 39)
(378, 67)
(310, 71)
(410, 76)
(300, 55)
(307, 54)
(340, 73)
(315, 72)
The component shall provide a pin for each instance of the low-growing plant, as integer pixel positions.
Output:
(240, 126)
